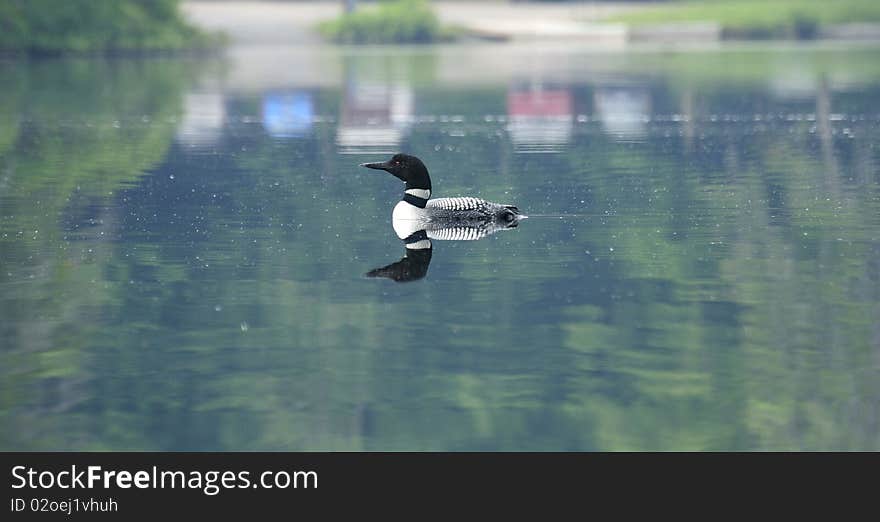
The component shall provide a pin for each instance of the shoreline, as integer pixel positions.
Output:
(294, 23)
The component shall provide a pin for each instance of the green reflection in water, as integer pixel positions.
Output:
(196, 281)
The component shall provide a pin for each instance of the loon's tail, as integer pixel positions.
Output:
(513, 214)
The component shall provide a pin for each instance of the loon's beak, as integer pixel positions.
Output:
(377, 166)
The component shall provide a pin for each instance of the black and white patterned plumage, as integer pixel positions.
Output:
(469, 209)
(462, 232)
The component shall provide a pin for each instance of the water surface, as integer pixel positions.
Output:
(183, 250)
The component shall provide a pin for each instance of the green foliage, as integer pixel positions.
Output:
(48, 26)
(737, 309)
(395, 21)
(759, 18)
(116, 115)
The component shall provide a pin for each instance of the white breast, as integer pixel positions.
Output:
(407, 219)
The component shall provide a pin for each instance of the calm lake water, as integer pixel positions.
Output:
(183, 250)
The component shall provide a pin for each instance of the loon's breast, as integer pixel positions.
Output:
(408, 219)
(408, 211)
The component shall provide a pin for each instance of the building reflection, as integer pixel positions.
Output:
(624, 111)
(540, 117)
(204, 116)
(376, 116)
(288, 114)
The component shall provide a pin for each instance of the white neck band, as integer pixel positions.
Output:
(419, 193)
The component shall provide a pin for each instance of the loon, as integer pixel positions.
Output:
(458, 218)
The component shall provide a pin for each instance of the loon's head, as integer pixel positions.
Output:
(408, 168)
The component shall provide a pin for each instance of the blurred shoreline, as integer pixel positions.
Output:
(288, 23)
(292, 23)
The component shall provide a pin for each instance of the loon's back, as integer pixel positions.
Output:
(468, 209)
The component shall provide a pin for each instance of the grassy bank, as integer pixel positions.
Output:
(85, 26)
(760, 18)
(395, 21)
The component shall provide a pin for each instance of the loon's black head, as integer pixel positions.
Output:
(408, 168)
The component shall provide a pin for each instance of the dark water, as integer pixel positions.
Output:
(184, 247)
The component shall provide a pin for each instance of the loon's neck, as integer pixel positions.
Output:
(417, 197)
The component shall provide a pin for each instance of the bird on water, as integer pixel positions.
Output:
(457, 218)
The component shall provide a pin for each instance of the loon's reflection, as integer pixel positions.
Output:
(414, 265)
